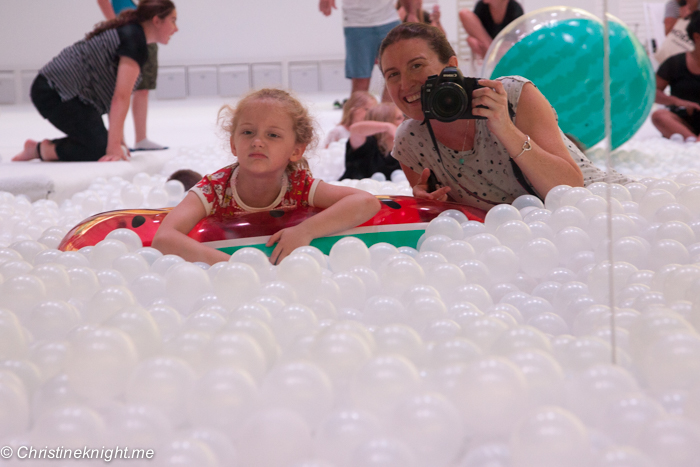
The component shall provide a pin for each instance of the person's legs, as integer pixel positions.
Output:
(669, 123)
(478, 40)
(477, 47)
(45, 150)
(360, 84)
(379, 33)
(139, 101)
(47, 101)
(139, 108)
(359, 57)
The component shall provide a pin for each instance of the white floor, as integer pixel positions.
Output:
(182, 125)
(190, 125)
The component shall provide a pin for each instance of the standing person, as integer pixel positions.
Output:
(270, 131)
(368, 149)
(432, 18)
(93, 77)
(682, 73)
(365, 23)
(149, 76)
(675, 9)
(486, 21)
(517, 148)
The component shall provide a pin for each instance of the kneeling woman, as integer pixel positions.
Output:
(93, 77)
(516, 149)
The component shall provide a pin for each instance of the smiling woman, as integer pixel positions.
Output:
(93, 77)
(514, 146)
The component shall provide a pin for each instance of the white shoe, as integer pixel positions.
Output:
(148, 145)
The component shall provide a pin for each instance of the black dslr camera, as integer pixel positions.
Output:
(448, 96)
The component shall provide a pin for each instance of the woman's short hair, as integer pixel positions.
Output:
(433, 36)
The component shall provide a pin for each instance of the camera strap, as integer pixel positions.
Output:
(516, 170)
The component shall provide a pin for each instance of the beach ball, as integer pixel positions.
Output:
(560, 49)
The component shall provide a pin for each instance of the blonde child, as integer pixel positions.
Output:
(269, 132)
(368, 149)
(354, 110)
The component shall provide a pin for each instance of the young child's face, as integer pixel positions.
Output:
(360, 112)
(264, 140)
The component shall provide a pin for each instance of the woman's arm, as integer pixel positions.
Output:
(171, 237)
(343, 208)
(107, 9)
(435, 18)
(548, 163)
(127, 74)
(664, 99)
(361, 130)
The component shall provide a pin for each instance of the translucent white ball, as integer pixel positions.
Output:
(287, 431)
(550, 437)
(348, 253)
(162, 382)
(128, 237)
(100, 361)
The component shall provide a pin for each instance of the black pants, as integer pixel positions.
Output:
(86, 135)
(693, 120)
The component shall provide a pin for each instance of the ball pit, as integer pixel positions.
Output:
(487, 345)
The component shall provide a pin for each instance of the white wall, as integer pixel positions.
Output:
(211, 31)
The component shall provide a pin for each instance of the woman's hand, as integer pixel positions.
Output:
(493, 96)
(690, 106)
(121, 154)
(420, 189)
(326, 6)
(287, 240)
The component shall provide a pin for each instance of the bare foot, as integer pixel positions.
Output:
(29, 152)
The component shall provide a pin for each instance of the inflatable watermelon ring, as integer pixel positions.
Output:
(400, 221)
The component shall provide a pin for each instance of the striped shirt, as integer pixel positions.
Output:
(88, 68)
(673, 9)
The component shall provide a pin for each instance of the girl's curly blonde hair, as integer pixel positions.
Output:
(303, 123)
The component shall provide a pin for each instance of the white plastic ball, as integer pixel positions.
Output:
(348, 253)
(100, 361)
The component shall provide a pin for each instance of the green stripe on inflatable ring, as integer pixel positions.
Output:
(398, 235)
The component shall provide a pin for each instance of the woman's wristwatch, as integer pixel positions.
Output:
(526, 147)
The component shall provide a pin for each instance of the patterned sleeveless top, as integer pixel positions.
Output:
(218, 194)
(485, 170)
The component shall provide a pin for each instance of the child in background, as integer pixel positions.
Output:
(368, 149)
(187, 177)
(354, 110)
(269, 132)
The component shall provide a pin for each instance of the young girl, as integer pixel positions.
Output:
(269, 132)
(368, 149)
(354, 110)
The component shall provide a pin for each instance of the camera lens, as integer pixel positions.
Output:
(449, 101)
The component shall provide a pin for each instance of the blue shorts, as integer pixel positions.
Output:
(362, 47)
